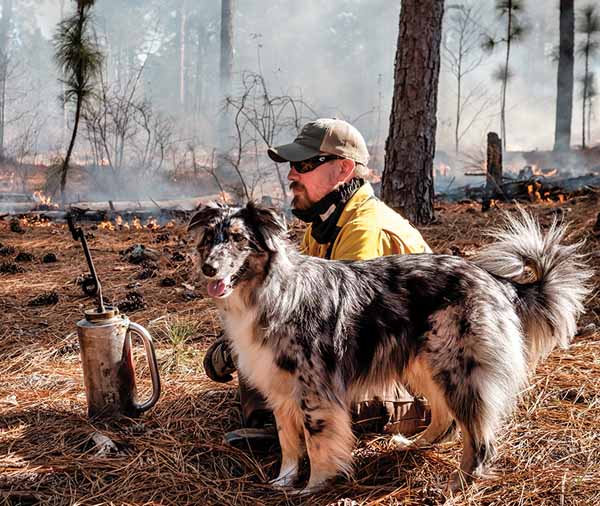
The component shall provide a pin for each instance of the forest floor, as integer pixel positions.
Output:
(548, 453)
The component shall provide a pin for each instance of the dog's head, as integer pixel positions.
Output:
(234, 243)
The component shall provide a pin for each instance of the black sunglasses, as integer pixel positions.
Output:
(312, 163)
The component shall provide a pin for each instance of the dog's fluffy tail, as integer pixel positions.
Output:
(551, 279)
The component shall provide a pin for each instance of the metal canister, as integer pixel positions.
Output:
(108, 367)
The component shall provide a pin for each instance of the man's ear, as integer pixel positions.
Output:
(205, 216)
(346, 168)
(266, 224)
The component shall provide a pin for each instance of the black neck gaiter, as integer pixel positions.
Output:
(325, 213)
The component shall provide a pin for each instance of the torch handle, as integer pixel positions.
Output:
(152, 364)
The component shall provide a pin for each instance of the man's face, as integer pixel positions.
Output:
(310, 187)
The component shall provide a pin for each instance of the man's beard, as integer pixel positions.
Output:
(300, 200)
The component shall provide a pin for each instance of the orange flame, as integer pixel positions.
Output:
(152, 224)
(106, 225)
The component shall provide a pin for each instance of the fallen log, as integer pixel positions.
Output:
(527, 189)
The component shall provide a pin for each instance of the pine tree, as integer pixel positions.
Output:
(408, 175)
(588, 26)
(79, 59)
(515, 31)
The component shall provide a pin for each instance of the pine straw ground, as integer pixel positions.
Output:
(549, 451)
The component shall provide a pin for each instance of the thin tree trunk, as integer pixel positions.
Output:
(585, 93)
(182, 32)
(408, 175)
(65, 167)
(564, 79)
(505, 79)
(459, 97)
(4, 77)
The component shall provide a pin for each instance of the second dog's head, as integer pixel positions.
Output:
(233, 244)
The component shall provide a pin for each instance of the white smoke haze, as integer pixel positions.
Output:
(336, 57)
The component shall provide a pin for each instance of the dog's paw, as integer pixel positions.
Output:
(283, 481)
(305, 491)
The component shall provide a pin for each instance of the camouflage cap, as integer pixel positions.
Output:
(323, 136)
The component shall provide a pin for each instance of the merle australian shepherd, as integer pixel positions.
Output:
(313, 335)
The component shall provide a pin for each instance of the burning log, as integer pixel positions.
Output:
(537, 189)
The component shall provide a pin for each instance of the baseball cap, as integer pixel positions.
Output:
(323, 136)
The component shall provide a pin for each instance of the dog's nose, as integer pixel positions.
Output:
(208, 270)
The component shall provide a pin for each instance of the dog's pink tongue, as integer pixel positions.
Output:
(216, 288)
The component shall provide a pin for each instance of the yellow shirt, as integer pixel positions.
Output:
(368, 229)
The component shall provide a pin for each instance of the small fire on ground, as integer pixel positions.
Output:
(118, 223)
(535, 194)
(44, 201)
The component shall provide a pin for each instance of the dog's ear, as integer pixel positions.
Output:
(267, 225)
(205, 216)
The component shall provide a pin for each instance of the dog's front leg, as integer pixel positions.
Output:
(329, 442)
(289, 430)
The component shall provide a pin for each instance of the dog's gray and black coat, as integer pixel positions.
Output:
(313, 335)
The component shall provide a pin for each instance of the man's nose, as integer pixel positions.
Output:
(293, 174)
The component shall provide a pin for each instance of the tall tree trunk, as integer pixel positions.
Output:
(5, 23)
(182, 16)
(408, 175)
(226, 64)
(564, 79)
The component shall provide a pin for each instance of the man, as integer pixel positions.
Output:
(328, 161)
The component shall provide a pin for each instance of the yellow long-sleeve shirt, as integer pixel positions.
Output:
(368, 229)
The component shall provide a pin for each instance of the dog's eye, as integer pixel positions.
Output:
(237, 237)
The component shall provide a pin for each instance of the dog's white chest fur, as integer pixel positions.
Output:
(255, 361)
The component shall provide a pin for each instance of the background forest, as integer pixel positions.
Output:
(162, 109)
